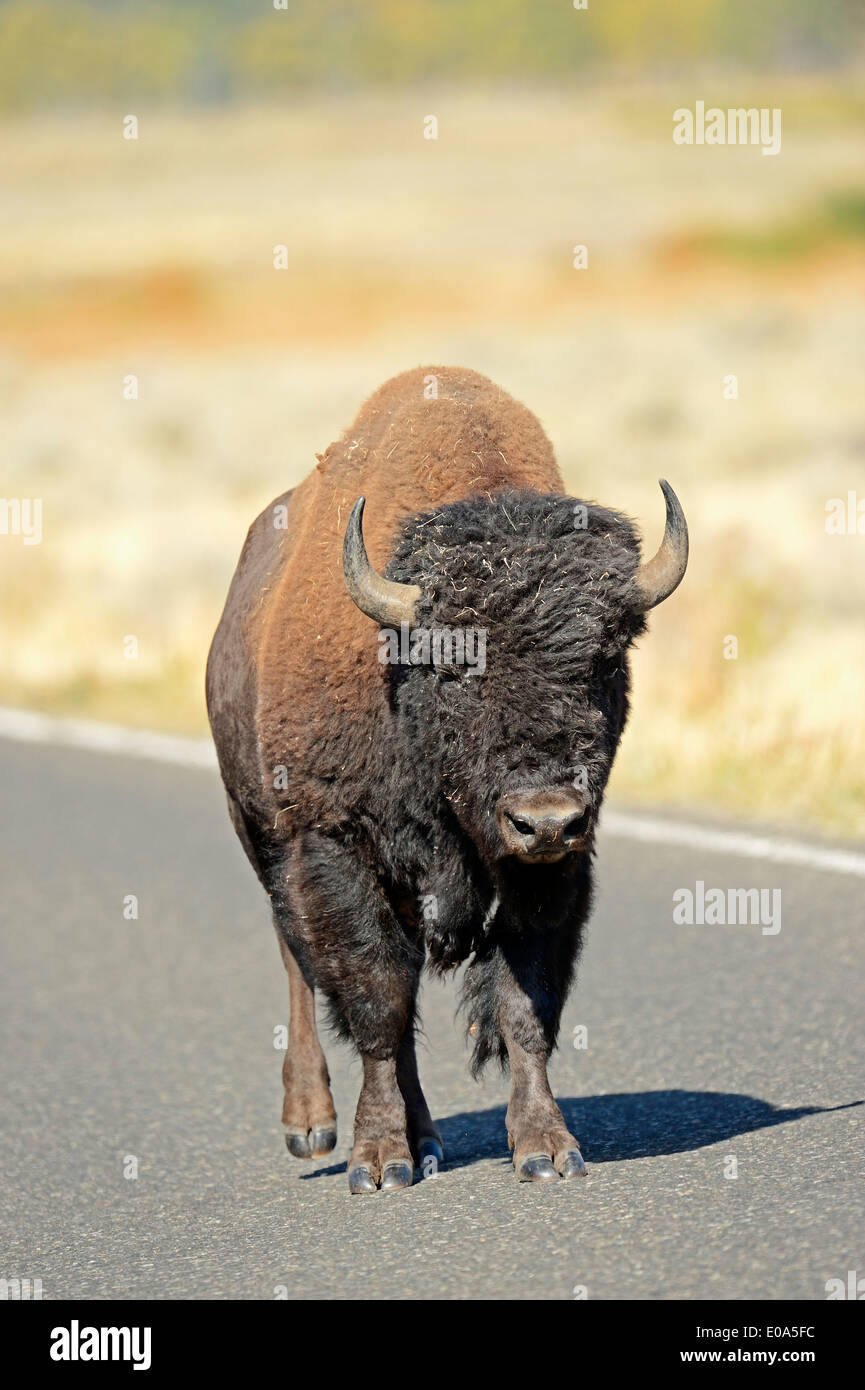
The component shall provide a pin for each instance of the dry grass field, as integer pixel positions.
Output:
(155, 258)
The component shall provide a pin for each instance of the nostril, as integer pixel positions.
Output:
(521, 825)
(576, 826)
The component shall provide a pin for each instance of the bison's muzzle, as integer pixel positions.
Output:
(542, 826)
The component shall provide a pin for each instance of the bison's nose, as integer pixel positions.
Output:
(543, 826)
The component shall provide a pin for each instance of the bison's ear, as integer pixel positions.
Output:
(657, 578)
(387, 603)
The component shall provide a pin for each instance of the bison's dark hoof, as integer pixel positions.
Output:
(360, 1179)
(397, 1174)
(323, 1140)
(536, 1168)
(429, 1149)
(570, 1164)
(311, 1143)
(297, 1143)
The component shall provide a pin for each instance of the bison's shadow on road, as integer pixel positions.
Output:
(627, 1124)
(645, 1124)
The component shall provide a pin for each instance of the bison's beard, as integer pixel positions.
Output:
(472, 900)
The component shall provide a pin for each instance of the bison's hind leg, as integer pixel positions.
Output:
(308, 1114)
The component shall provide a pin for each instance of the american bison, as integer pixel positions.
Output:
(402, 803)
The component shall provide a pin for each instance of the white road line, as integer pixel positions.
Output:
(652, 830)
(28, 727)
(25, 726)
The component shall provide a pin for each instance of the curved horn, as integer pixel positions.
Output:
(658, 577)
(387, 603)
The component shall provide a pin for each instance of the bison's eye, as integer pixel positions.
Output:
(609, 671)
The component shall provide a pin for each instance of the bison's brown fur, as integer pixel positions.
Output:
(304, 643)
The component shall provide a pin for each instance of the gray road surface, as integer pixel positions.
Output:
(154, 1039)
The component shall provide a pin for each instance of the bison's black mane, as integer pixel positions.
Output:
(557, 573)
(550, 580)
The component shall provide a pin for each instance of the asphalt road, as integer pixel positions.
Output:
(153, 1039)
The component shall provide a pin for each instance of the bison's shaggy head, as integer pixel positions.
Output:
(549, 595)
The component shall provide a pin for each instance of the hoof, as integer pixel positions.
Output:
(397, 1174)
(360, 1179)
(536, 1168)
(297, 1143)
(570, 1164)
(427, 1149)
(323, 1140)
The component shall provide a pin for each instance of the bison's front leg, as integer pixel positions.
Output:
(393, 1125)
(380, 1156)
(369, 968)
(537, 1133)
(517, 999)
